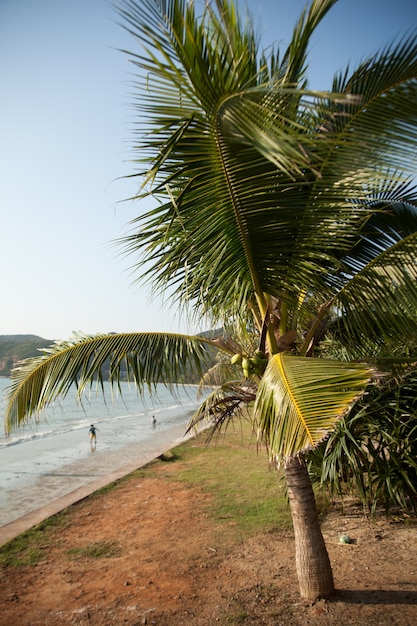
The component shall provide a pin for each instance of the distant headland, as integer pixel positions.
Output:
(14, 348)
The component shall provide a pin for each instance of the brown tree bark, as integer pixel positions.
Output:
(314, 571)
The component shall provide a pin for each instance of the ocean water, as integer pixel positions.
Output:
(51, 456)
(119, 418)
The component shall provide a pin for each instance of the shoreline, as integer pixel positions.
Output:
(49, 494)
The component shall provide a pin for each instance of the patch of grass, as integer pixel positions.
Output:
(238, 616)
(32, 546)
(247, 495)
(96, 550)
(21, 558)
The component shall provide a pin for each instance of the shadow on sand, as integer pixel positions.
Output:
(375, 596)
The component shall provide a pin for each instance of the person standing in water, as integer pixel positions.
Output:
(93, 436)
(153, 421)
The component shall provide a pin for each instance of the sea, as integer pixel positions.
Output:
(51, 455)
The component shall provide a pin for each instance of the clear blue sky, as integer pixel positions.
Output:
(65, 141)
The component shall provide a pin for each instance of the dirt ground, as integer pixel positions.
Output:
(165, 562)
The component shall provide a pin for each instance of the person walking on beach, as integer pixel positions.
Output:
(93, 436)
(153, 422)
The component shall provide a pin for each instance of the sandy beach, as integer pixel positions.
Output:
(48, 464)
(28, 497)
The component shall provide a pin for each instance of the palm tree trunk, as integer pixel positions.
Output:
(312, 561)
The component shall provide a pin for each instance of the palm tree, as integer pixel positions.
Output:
(284, 214)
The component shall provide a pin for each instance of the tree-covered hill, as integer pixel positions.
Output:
(14, 348)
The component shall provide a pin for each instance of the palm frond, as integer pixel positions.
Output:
(293, 68)
(381, 123)
(301, 399)
(222, 406)
(143, 358)
(379, 303)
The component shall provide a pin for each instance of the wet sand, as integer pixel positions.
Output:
(33, 497)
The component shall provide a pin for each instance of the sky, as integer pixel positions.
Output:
(66, 145)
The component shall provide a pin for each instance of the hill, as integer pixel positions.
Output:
(14, 348)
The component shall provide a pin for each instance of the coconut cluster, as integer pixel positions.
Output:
(255, 364)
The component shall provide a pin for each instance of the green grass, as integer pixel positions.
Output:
(96, 550)
(32, 546)
(245, 491)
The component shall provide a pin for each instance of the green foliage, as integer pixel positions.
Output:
(287, 405)
(373, 451)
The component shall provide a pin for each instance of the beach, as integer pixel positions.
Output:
(44, 467)
(36, 496)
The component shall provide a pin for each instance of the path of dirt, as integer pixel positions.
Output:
(166, 564)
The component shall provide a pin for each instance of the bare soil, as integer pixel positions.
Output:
(166, 562)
